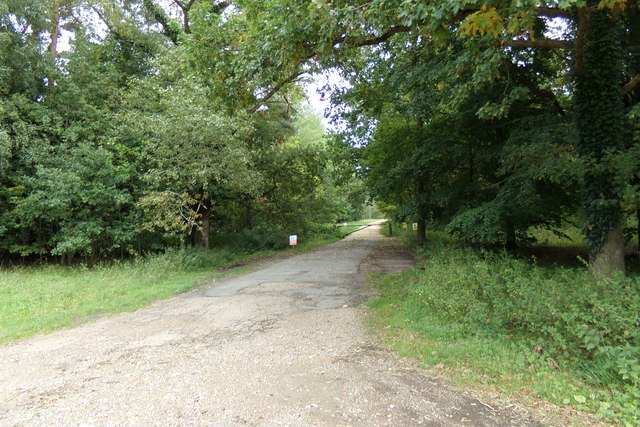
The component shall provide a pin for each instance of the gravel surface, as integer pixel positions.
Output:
(283, 345)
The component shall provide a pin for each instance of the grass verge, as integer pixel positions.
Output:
(548, 332)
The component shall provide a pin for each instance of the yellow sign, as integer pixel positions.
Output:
(404, 225)
(415, 226)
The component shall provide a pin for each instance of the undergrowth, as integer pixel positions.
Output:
(556, 332)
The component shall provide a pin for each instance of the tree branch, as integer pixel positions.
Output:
(538, 43)
(219, 7)
(553, 12)
(631, 85)
(380, 39)
(343, 39)
(518, 44)
(161, 17)
(275, 90)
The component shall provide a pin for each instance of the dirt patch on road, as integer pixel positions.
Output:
(388, 257)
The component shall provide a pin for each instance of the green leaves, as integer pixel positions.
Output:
(76, 194)
(557, 321)
(485, 21)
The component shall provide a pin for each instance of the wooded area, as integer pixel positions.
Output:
(128, 127)
(166, 121)
(119, 144)
(487, 117)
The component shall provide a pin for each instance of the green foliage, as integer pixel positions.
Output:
(199, 128)
(440, 62)
(259, 238)
(22, 24)
(192, 153)
(76, 194)
(488, 176)
(130, 151)
(589, 328)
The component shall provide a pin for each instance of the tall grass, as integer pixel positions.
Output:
(36, 300)
(556, 332)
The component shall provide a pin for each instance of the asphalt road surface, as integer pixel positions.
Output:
(283, 345)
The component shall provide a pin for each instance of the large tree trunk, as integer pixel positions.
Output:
(205, 224)
(601, 131)
(633, 64)
(199, 235)
(610, 259)
(206, 229)
(186, 27)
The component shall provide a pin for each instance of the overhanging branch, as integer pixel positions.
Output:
(553, 12)
(631, 85)
(275, 90)
(343, 39)
(382, 38)
(538, 43)
(541, 43)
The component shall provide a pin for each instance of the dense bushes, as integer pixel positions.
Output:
(265, 237)
(558, 317)
(259, 238)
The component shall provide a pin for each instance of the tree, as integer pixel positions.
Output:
(22, 31)
(321, 34)
(62, 188)
(195, 154)
(431, 154)
(78, 197)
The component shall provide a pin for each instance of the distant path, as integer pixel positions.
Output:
(283, 345)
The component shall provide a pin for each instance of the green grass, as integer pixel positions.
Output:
(37, 300)
(548, 333)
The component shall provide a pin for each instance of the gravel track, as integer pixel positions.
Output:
(283, 345)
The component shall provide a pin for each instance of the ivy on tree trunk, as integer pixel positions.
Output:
(600, 124)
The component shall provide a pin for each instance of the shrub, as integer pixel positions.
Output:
(585, 324)
(260, 238)
(186, 259)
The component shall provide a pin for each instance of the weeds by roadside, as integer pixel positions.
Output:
(491, 318)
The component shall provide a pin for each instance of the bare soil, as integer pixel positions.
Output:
(283, 345)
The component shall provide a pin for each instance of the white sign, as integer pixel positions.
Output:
(415, 226)
(293, 240)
